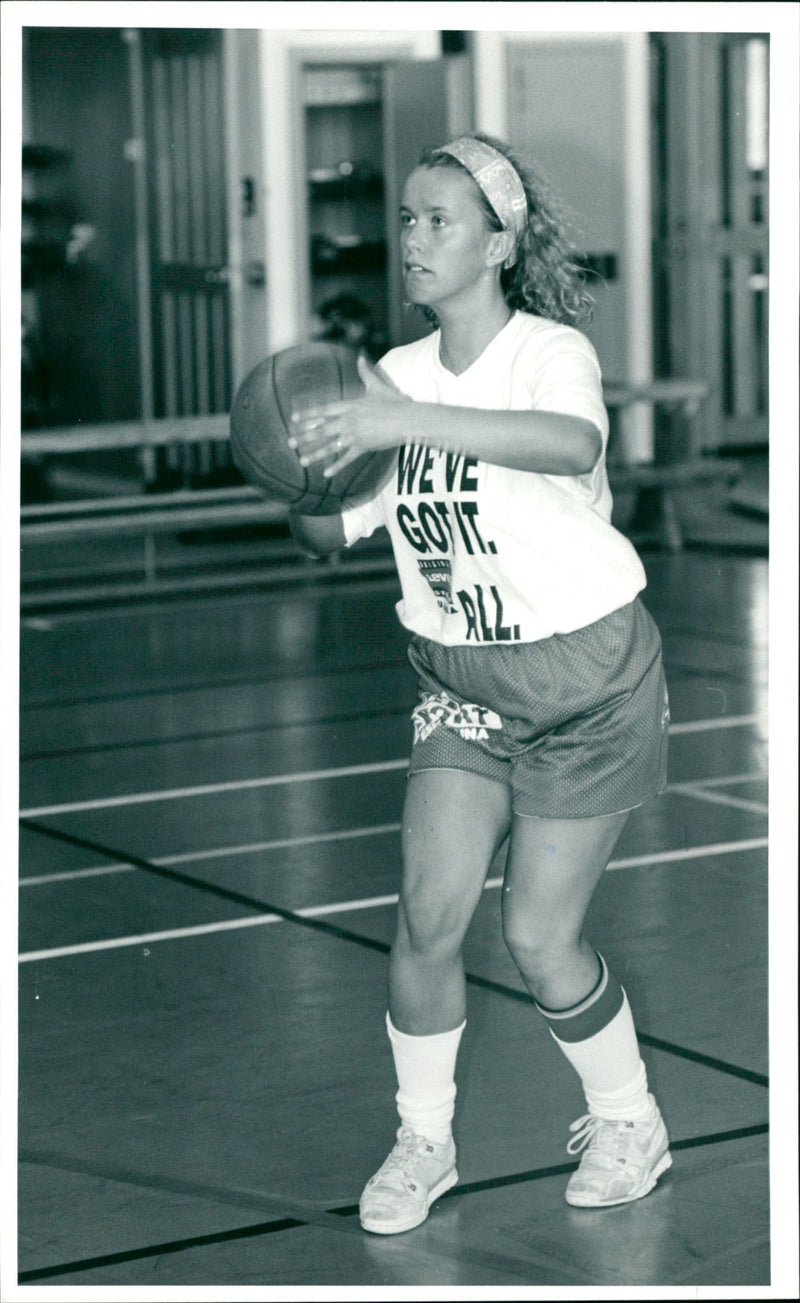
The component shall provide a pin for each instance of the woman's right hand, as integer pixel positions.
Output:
(317, 535)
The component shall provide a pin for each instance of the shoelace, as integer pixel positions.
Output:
(394, 1173)
(408, 1146)
(596, 1131)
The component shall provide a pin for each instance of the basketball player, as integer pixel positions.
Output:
(542, 715)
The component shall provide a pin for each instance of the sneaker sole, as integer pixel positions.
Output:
(396, 1228)
(581, 1201)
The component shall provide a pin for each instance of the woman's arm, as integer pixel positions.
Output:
(548, 442)
(317, 535)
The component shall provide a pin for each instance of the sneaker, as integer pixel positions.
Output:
(623, 1160)
(399, 1195)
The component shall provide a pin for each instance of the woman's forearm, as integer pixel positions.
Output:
(547, 442)
(550, 443)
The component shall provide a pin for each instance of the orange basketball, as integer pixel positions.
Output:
(290, 381)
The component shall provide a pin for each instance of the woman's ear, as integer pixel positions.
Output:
(501, 247)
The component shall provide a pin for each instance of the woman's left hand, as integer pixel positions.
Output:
(342, 431)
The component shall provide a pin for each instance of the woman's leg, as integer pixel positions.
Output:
(554, 866)
(553, 869)
(454, 822)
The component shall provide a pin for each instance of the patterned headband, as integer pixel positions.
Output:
(497, 178)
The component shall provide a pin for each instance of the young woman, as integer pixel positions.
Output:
(543, 709)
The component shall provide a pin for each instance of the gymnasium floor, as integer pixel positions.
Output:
(210, 792)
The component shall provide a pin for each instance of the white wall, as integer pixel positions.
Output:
(285, 244)
(629, 335)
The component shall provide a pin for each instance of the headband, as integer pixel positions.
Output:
(497, 178)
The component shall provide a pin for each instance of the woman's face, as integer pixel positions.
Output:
(446, 247)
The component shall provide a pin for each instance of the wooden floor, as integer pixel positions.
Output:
(210, 793)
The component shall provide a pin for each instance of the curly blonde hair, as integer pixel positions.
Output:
(547, 279)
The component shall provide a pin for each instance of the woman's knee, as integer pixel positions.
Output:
(432, 927)
(537, 946)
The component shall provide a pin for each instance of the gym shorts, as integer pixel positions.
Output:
(576, 724)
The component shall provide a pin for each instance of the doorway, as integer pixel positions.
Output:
(125, 240)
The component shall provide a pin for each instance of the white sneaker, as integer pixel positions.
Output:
(623, 1160)
(399, 1195)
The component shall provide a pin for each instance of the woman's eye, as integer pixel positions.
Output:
(437, 221)
(406, 219)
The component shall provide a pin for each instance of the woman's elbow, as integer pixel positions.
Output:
(587, 449)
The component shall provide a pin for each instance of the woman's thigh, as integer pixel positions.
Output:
(553, 868)
(454, 822)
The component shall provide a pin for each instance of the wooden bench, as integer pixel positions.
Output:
(655, 517)
(150, 515)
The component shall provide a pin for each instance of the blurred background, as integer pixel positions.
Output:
(196, 198)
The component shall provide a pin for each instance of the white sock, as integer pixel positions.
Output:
(425, 1067)
(611, 1070)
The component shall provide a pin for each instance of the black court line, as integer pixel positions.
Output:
(182, 738)
(358, 938)
(198, 884)
(706, 1060)
(311, 670)
(279, 1224)
(287, 1212)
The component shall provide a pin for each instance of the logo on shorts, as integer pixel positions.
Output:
(471, 722)
(439, 574)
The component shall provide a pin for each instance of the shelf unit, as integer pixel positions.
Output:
(343, 132)
(363, 124)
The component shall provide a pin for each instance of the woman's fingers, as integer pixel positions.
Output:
(316, 433)
(320, 412)
(348, 455)
(309, 452)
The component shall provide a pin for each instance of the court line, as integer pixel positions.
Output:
(147, 607)
(309, 919)
(217, 853)
(312, 839)
(721, 721)
(725, 780)
(282, 1208)
(275, 915)
(720, 798)
(280, 673)
(217, 734)
(279, 780)
(214, 789)
(227, 894)
(255, 730)
(277, 1225)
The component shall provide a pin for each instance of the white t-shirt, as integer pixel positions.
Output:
(488, 554)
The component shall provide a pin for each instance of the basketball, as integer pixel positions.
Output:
(288, 381)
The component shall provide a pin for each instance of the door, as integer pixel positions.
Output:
(183, 107)
(79, 281)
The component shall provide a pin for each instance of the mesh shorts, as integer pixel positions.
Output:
(575, 724)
